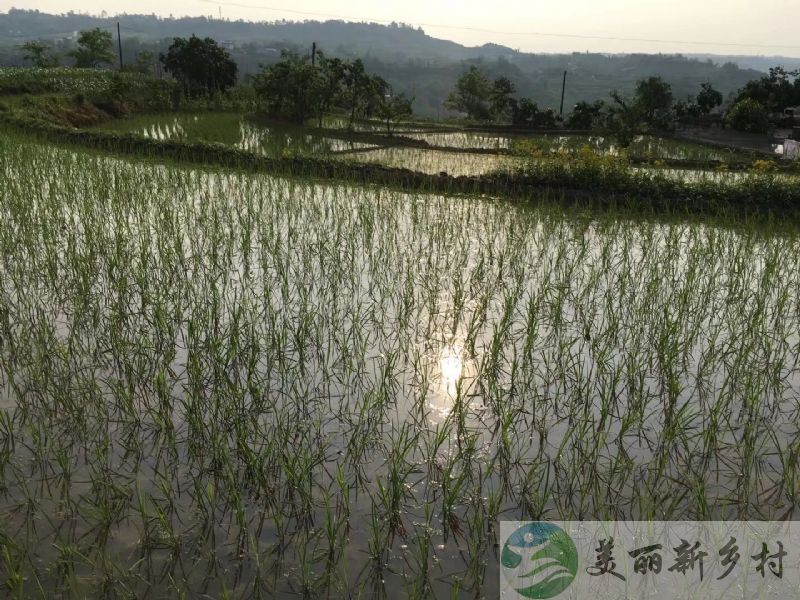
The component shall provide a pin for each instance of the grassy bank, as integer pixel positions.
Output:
(79, 97)
(85, 97)
(69, 81)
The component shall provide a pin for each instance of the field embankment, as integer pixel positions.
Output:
(583, 179)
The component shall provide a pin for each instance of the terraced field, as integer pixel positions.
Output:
(224, 383)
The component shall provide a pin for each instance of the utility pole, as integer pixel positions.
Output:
(313, 53)
(563, 88)
(119, 40)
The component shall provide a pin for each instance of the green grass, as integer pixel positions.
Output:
(226, 383)
(643, 148)
(70, 80)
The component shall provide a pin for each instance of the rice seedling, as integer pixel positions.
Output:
(463, 139)
(644, 147)
(434, 162)
(222, 382)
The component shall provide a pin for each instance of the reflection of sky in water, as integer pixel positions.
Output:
(436, 161)
(238, 132)
(458, 139)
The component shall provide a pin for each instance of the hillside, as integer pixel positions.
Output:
(414, 62)
(759, 63)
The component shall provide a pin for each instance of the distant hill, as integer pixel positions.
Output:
(414, 62)
(759, 63)
(339, 36)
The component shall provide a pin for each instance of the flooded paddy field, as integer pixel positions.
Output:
(433, 162)
(231, 384)
(236, 130)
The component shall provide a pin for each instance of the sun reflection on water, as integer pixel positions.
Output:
(450, 366)
(450, 373)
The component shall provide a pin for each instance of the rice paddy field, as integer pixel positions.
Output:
(467, 163)
(433, 162)
(374, 126)
(463, 139)
(237, 130)
(452, 157)
(645, 147)
(233, 129)
(218, 383)
(723, 176)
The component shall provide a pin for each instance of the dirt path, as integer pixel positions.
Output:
(759, 143)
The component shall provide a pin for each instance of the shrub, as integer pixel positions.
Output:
(748, 115)
(763, 166)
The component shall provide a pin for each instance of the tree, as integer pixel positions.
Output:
(394, 108)
(200, 65)
(585, 115)
(688, 110)
(776, 91)
(296, 89)
(708, 99)
(290, 88)
(471, 94)
(358, 88)
(145, 61)
(748, 115)
(623, 119)
(39, 54)
(375, 94)
(500, 98)
(526, 113)
(95, 48)
(331, 75)
(653, 98)
(693, 109)
(650, 108)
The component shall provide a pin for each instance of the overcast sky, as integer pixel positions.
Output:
(766, 27)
